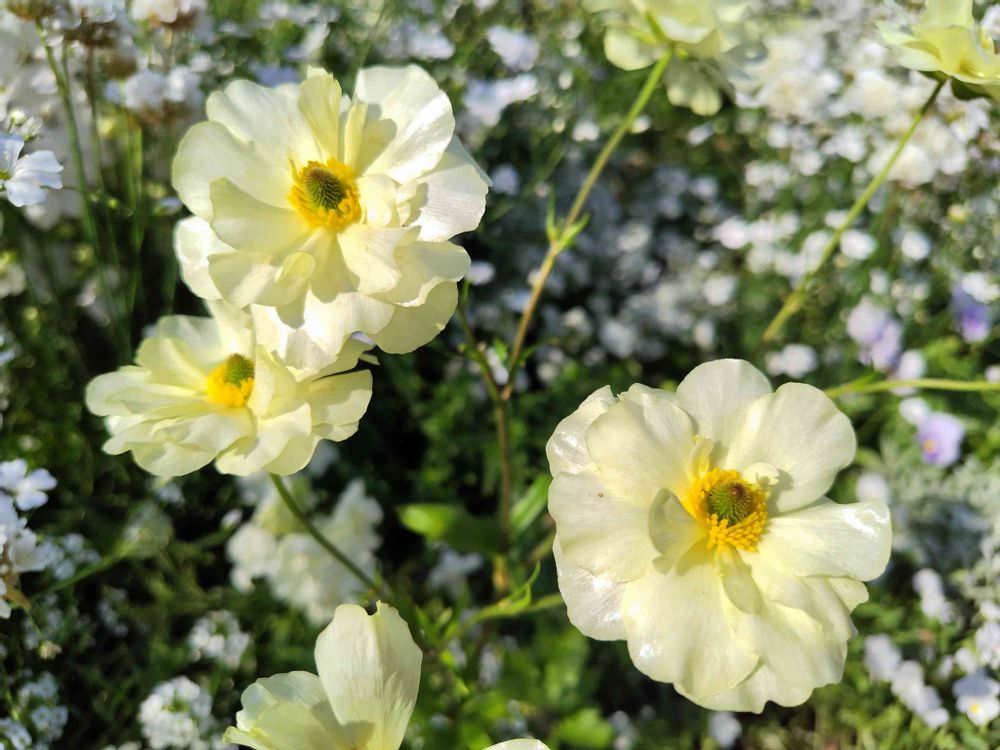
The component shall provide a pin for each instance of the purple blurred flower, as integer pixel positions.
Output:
(940, 437)
(972, 318)
(877, 333)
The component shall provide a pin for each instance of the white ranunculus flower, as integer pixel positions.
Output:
(693, 526)
(331, 215)
(707, 41)
(203, 390)
(22, 178)
(369, 675)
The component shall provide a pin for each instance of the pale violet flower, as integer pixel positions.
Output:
(872, 486)
(451, 572)
(713, 496)
(23, 178)
(878, 334)
(973, 319)
(940, 436)
(908, 685)
(988, 644)
(976, 695)
(218, 637)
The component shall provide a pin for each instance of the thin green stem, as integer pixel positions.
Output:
(89, 220)
(564, 238)
(927, 384)
(325, 543)
(560, 240)
(794, 300)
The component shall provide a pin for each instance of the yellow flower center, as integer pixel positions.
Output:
(325, 194)
(231, 383)
(731, 509)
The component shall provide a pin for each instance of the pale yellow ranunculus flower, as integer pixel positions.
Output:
(706, 39)
(362, 698)
(693, 525)
(204, 390)
(329, 214)
(946, 41)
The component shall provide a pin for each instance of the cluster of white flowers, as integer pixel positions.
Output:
(20, 551)
(177, 715)
(218, 637)
(273, 546)
(41, 718)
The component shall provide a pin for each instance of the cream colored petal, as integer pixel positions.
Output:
(566, 449)
(752, 693)
(423, 267)
(287, 712)
(268, 118)
(315, 339)
(370, 254)
(800, 432)
(830, 539)
(209, 152)
(169, 459)
(626, 52)
(678, 629)
(947, 13)
(716, 394)
(641, 448)
(338, 402)
(453, 196)
(370, 669)
(792, 643)
(409, 122)
(593, 604)
(690, 85)
(272, 438)
(412, 327)
(606, 535)
(194, 244)
(519, 745)
(672, 530)
(319, 102)
(245, 223)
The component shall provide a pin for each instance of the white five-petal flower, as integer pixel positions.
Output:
(693, 525)
(22, 178)
(369, 676)
(330, 215)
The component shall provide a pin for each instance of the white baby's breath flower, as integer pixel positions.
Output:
(204, 390)
(22, 178)
(693, 525)
(330, 215)
(369, 675)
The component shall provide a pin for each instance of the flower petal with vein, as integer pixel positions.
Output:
(693, 525)
(205, 389)
(362, 698)
(330, 215)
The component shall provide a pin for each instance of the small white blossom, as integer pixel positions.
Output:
(22, 178)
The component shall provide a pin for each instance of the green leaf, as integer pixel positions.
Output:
(530, 505)
(452, 525)
(586, 729)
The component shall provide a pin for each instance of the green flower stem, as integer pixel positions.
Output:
(325, 543)
(563, 239)
(793, 302)
(559, 241)
(89, 221)
(927, 384)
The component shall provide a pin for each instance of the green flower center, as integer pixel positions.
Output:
(731, 501)
(325, 190)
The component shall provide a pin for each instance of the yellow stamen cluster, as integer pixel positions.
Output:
(325, 194)
(231, 383)
(731, 509)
